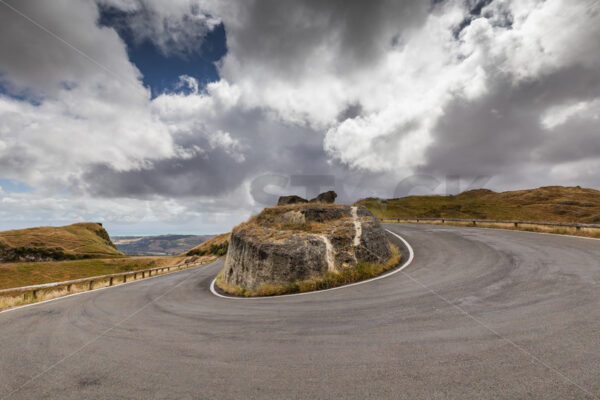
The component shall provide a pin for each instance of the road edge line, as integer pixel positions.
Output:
(411, 256)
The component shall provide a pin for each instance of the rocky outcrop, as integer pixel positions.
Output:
(293, 199)
(327, 197)
(291, 243)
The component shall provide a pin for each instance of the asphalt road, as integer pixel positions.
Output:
(478, 314)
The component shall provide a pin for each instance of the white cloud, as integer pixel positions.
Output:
(176, 27)
(558, 115)
(92, 107)
(374, 85)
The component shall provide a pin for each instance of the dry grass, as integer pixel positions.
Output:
(14, 300)
(272, 223)
(355, 273)
(218, 241)
(559, 230)
(88, 239)
(26, 274)
(549, 204)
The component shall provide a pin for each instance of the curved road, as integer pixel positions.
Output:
(478, 314)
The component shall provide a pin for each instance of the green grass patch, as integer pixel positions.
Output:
(356, 273)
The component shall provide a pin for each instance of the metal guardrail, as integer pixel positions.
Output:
(497, 221)
(34, 289)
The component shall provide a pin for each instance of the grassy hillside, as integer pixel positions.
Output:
(158, 245)
(217, 246)
(552, 204)
(24, 274)
(77, 241)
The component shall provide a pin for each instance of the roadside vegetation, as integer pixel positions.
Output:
(25, 274)
(557, 230)
(158, 265)
(548, 204)
(216, 246)
(355, 273)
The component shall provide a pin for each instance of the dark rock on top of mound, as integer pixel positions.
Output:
(327, 197)
(284, 244)
(293, 199)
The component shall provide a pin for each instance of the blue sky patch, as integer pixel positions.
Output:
(161, 73)
(13, 186)
(23, 95)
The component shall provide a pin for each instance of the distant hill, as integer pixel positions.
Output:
(158, 245)
(551, 203)
(47, 243)
(216, 246)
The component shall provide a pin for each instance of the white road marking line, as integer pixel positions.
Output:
(411, 256)
(95, 339)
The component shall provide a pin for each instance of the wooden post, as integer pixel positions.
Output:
(69, 287)
(124, 278)
(110, 281)
(34, 294)
(91, 286)
(474, 223)
(516, 224)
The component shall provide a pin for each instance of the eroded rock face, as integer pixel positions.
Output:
(303, 241)
(327, 197)
(293, 199)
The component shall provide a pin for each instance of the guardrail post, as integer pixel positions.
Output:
(124, 278)
(516, 224)
(110, 281)
(442, 220)
(69, 287)
(91, 285)
(578, 228)
(474, 223)
(34, 294)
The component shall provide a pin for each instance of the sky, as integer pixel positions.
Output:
(185, 116)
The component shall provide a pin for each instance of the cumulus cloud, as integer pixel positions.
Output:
(366, 92)
(174, 27)
(71, 102)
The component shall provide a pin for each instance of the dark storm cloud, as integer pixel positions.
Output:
(502, 131)
(285, 34)
(268, 147)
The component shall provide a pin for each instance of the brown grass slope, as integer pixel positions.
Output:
(216, 246)
(549, 204)
(82, 240)
(35, 273)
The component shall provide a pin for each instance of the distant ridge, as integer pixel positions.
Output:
(550, 203)
(158, 245)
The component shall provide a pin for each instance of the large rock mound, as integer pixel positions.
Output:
(284, 244)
